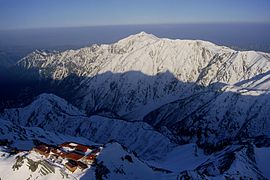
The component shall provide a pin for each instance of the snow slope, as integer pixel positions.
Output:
(183, 157)
(24, 137)
(214, 116)
(237, 161)
(54, 114)
(123, 165)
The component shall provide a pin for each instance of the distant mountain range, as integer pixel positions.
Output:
(162, 99)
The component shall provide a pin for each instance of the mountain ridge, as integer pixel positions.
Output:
(70, 121)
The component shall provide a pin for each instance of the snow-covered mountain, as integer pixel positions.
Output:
(152, 96)
(188, 60)
(143, 69)
(184, 85)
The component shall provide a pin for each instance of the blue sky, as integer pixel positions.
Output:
(16, 14)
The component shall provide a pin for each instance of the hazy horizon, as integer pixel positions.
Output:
(245, 36)
(17, 14)
(67, 24)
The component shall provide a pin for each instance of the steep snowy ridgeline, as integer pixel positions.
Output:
(116, 163)
(24, 138)
(143, 69)
(53, 114)
(214, 116)
(45, 108)
(151, 55)
(234, 162)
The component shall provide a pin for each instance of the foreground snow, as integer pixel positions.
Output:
(112, 163)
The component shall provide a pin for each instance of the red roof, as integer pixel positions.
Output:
(73, 156)
(58, 152)
(81, 148)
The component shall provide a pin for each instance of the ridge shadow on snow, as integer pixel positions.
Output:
(20, 86)
(209, 116)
